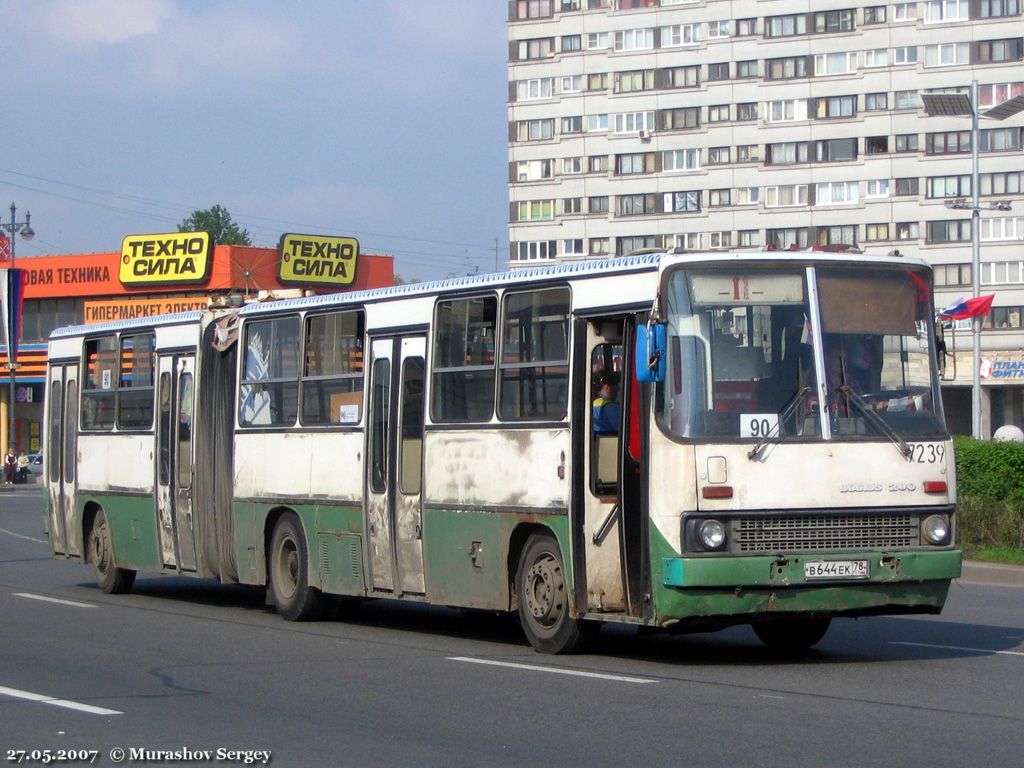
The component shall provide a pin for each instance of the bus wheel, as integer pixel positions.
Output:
(543, 598)
(791, 635)
(295, 599)
(111, 579)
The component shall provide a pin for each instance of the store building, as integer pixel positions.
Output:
(95, 287)
(699, 124)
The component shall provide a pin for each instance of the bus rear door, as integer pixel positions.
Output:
(61, 449)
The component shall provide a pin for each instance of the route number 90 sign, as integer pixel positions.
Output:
(759, 424)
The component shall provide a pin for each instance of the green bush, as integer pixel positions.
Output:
(990, 487)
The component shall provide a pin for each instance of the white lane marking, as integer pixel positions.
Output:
(960, 648)
(21, 536)
(45, 599)
(77, 706)
(552, 670)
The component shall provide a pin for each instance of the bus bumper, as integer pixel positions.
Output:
(741, 588)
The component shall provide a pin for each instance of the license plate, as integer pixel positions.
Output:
(836, 569)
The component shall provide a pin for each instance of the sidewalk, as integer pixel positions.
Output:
(994, 574)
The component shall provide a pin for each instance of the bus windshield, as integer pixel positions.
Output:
(744, 363)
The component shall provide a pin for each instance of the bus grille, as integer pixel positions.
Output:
(812, 533)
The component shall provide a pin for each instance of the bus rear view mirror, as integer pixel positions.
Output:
(650, 352)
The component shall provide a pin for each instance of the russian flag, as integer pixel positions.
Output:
(961, 309)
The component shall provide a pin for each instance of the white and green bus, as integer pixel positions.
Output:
(780, 457)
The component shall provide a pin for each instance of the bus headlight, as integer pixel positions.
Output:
(936, 529)
(711, 534)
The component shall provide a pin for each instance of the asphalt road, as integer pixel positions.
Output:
(182, 665)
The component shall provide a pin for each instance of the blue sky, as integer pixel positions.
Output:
(382, 120)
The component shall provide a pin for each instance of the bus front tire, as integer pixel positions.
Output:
(544, 599)
(791, 635)
(110, 578)
(294, 598)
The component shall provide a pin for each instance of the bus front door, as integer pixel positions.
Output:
(394, 519)
(174, 462)
(59, 464)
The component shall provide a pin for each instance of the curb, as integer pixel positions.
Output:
(993, 574)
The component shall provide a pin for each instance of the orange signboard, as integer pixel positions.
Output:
(129, 309)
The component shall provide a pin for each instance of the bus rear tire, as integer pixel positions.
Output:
(544, 599)
(111, 579)
(294, 598)
(791, 635)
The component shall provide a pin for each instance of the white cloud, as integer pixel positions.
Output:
(101, 22)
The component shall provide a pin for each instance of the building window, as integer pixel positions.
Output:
(746, 196)
(572, 165)
(691, 241)
(948, 186)
(835, 150)
(1000, 183)
(784, 238)
(572, 84)
(679, 119)
(902, 12)
(907, 142)
(718, 198)
(839, 235)
(908, 100)
(534, 250)
(597, 123)
(718, 155)
(836, 107)
(597, 81)
(746, 111)
(995, 9)
(996, 93)
(681, 202)
(748, 238)
(634, 39)
(533, 170)
(787, 110)
(679, 77)
(826, 22)
(641, 162)
(904, 55)
(876, 188)
(636, 205)
(595, 41)
(632, 122)
(785, 196)
(718, 113)
(841, 63)
(719, 29)
(946, 10)
(874, 14)
(907, 187)
(908, 230)
(876, 232)
(720, 239)
(1004, 317)
(572, 124)
(837, 193)
(948, 143)
(949, 231)
(629, 82)
(748, 153)
(599, 164)
(533, 9)
(718, 71)
(597, 204)
(535, 130)
(680, 34)
(599, 246)
(989, 51)
(876, 102)
(1003, 228)
(680, 160)
(746, 69)
(531, 90)
(876, 57)
(785, 26)
(946, 54)
(746, 27)
(786, 68)
(786, 153)
(535, 210)
(952, 275)
(539, 48)
(625, 245)
(876, 145)
(573, 247)
(572, 206)
(571, 43)
(999, 140)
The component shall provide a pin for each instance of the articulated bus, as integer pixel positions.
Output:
(781, 457)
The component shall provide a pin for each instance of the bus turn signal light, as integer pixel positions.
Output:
(935, 486)
(716, 491)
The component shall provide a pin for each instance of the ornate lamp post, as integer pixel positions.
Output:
(24, 228)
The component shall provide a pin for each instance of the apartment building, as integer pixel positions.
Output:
(702, 124)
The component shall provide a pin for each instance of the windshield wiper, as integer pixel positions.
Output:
(798, 399)
(877, 421)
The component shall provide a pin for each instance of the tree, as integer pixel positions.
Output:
(218, 222)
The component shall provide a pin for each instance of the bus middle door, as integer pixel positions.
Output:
(174, 462)
(394, 464)
(60, 464)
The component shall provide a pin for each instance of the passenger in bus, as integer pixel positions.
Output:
(607, 413)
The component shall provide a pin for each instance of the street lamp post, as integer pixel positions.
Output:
(963, 105)
(24, 228)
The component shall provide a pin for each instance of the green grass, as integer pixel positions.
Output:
(1004, 555)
